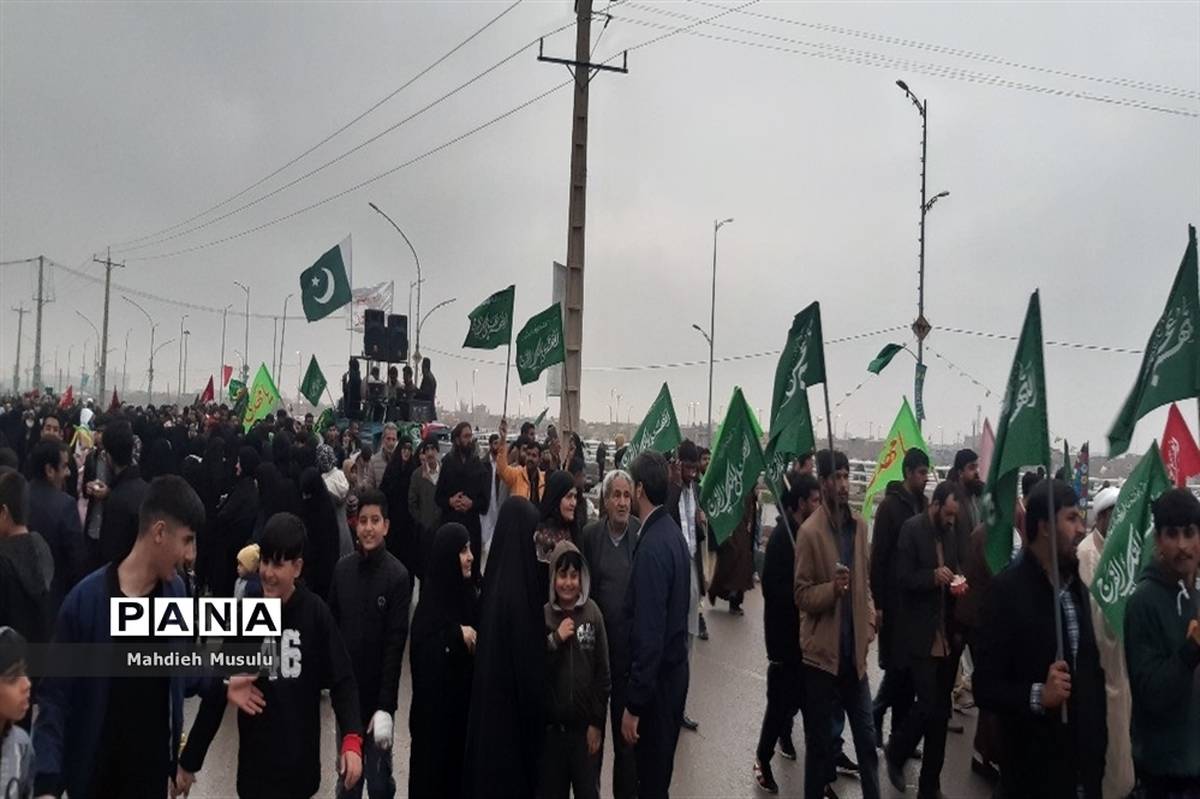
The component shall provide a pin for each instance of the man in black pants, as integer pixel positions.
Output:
(903, 500)
(781, 625)
(926, 563)
(656, 611)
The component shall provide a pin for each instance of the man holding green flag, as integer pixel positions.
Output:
(1171, 366)
(1022, 438)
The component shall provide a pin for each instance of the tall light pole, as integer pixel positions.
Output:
(412, 320)
(187, 335)
(921, 326)
(416, 357)
(95, 330)
(125, 367)
(712, 325)
(179, 382)
(246, 346)
(150, 372)
(282, 333)
(150, 384)
(428, 313)
(224, 316)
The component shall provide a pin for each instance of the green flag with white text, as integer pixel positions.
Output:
(737, 461)
(1171, 365)
(313, 383)
(1129, 545)
(658, 432)
(261, 399)
(491, 321)
(1022, 437)
(801, 364)
(904, 435)
(540, 344)
(325, 286)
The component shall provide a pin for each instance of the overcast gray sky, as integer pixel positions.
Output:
(120, 119)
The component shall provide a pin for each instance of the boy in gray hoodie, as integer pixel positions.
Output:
(577, 680)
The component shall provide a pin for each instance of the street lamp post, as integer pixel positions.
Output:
(150, 372)
(187, 336)
(98, 337)
(179, 383)
(224, 316)
(125, 366)
(282, 333)
(421, 324)
(417, 348)
(712, 324)
(153, 352)
(921, 325)
(246, 345)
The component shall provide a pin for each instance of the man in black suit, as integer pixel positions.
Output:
(926, 640)
(1018, 673)
(52, 514)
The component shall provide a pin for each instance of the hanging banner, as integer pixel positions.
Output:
(919, 393)
(379, 297)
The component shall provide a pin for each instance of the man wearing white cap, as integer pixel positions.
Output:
(1118, 767)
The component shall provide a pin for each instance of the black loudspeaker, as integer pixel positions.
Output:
(374, 335)
(397, 338)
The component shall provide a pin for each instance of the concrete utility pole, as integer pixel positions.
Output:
(246, 346)
(37, 339)
(582, 70)
(108, 267)
(20, 311)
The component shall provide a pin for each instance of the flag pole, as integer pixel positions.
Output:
(1054, 577)
(507, 372)
(828, 414)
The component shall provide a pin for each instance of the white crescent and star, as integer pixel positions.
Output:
(329, 287)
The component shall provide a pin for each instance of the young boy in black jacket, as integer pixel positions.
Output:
(279, 712)
(577, 681)
(369, 598)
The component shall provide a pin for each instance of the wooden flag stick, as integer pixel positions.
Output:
(828, 414)
(507, 372)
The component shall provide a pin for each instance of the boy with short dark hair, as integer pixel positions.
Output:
(16, 752)
(577, 681)
(279, 718)
(369, 598)
(119, 736)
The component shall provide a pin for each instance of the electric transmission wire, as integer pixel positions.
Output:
(125, 244)
(879, 60)
(434, 150)
(969, 54)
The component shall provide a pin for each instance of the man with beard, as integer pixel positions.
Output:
(462, 492)
(965, 475)
(52, 514)
(903, 500)
(607, 545)
(379, 461)
(1162, 644)
(683, 506)
(1019, 675)
(525, 478)
(926, 563)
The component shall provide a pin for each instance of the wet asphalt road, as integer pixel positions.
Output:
(727, 696)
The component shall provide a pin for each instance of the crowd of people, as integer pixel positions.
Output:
(532, 621)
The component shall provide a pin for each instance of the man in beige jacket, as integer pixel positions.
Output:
(1119, 776)
(837, 625)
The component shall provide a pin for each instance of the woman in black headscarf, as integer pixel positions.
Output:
(235, 522)
(397, 478)
(504, 730)
(320, 522)
(442, 656)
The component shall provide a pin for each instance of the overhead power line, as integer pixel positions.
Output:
(969, 54)
(878, 60)
(331, 136)
(416, 159)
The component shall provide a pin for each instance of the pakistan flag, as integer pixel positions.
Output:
(491, 322)
(325, 286)
(1130, 542)
(737, 460)
(1022, 438)
(540, 344)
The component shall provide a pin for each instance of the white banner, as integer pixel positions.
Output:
(377, 297)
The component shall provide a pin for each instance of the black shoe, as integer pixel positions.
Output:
(736, 610)
(689, 725)
(787, 748)
(845, 765)
(764, 777)
(986, 770)
(703, 634)
(830, 793)
(895, 775)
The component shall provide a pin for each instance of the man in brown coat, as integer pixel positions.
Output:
(837, 625)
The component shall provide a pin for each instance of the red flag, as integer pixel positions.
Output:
(115, 405)
(1179, 451)
(68, 397)
(226, 374)
(207, 396)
